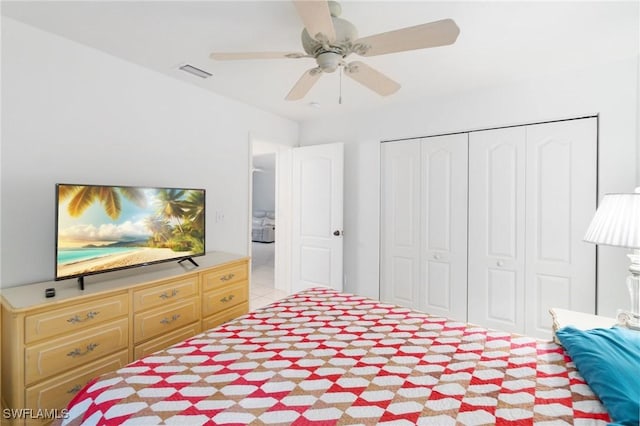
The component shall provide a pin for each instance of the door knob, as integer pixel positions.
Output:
(499, 263)
(336, 233)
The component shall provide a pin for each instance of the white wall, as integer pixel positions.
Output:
(610, 91)
(638, 119)
(638, 114)
(73, 114)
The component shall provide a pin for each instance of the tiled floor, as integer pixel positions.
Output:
(262, 291)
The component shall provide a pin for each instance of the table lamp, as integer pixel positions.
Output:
(617, 223)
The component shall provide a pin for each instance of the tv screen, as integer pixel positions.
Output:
(105, 228)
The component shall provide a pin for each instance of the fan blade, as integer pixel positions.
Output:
(433, 34)
(317, 19)
(233, 56)
(306, 82)
(371, 78)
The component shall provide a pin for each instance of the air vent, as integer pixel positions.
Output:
(195, 71)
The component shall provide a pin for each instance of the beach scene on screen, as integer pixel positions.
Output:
(105, 227)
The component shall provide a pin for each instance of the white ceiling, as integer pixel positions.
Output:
(499, 42)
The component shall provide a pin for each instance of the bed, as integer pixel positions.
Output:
(320, 357)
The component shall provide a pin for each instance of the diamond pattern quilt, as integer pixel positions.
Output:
(321, 357)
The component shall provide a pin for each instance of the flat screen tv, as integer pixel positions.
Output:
(106, 228)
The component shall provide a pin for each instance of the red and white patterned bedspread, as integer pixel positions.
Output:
(321, 358)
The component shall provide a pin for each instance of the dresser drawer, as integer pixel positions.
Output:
(225, 298)
(56, 393)
(225, 316)
(65, 353)
(166, 340)
(164, 319)
(74, 318)
(161, 294)
(225, 275)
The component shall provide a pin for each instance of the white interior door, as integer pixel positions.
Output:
(443, 287)
(317, 198)
(400, 218)
(561, 200)
(496, 228)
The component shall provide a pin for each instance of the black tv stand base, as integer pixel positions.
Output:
(190, 259)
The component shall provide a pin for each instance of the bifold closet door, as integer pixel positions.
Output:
(400, 217)
(424, 225)
(496, 228)
(561, 200)
(532, 194)
(443, 276)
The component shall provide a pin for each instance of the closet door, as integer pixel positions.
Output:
(400, 218)
(443, 276)
(496, 228)
(561, 200)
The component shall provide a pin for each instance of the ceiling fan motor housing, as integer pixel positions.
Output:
(345, 31)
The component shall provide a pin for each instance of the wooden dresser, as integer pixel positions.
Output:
(51, 347)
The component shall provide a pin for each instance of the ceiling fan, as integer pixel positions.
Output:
(329, 39)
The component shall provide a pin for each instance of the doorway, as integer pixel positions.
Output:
(295, 234)
(268, 234)
(263, 226)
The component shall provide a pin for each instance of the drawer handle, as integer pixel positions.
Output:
(166, 296)
(76, 319)
(74, 390)
(166, 320)
(228, 298)
(227, 277)
(77, 352)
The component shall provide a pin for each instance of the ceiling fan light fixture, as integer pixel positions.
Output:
(329, 61)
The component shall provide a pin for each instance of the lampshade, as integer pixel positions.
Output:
(616, 222)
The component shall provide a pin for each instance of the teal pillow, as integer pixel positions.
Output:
(609, 361)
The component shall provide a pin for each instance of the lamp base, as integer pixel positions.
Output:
(629, 319)
(632, 317)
